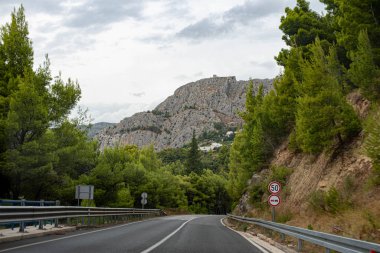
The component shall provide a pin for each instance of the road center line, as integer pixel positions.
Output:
(71, 236)
(166, 238)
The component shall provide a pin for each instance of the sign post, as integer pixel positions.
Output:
(84, 192)
(144, 200)
(274, 200)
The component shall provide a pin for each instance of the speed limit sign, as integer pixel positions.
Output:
(274, 187)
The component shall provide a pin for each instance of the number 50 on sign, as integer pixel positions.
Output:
(274, 187)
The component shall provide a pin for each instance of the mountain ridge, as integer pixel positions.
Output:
(196, 106)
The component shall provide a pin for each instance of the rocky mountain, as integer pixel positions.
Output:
(202, 106)
(97, 127)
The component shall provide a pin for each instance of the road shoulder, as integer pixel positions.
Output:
(264, 246)
(9, 235)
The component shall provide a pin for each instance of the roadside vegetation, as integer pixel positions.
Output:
(328, 57)
(44, 154)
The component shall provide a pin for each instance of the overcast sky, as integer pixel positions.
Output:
(129, 55)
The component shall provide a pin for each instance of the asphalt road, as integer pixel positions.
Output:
(188, 233)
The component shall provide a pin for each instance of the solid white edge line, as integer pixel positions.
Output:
(252, 242)
(166, 238)
(71, 236)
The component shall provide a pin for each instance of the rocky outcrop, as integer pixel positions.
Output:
(196, 106)
(96, 128)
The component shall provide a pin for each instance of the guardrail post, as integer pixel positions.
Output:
(57, 203)
(40, 222)
(22, 224)
(327, 250)
(282, 237)
(89, 217)
(299, 245)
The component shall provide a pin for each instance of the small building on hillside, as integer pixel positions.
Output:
(211, 147)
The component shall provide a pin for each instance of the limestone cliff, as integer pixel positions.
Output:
(195, 106)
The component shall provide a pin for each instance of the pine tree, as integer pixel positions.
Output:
(354, 16)
(363, 71)
(323, 115)
(16, 47)
(372, 145)
(193, 163)
(248, 150)
(32, 105)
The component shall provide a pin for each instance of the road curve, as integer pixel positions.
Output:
(188, 233)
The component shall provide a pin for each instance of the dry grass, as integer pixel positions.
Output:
(361, 221)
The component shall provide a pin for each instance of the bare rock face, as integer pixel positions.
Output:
(196, 106)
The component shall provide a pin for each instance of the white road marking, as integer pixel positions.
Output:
(253, 243)
(71, 236)
(166, 238)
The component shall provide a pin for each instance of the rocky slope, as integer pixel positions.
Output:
(196, 106)
(97, 127)
(346, 169)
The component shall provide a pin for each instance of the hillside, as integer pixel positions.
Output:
(202, 106)
(328, 192)
(97, 127)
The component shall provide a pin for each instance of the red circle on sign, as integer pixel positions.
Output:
(274, 187)
(274, 200)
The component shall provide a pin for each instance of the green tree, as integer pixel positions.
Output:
(372, 145)
(207, 193)
(32, 107)
(354, 16)
(16, 58)
(323, 115)
(193, 163)
(15, 47)
(249, 149)
(301, 26)
(363, 71)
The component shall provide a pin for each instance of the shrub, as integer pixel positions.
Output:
(331, 201)
(284, 217)
(280, 174)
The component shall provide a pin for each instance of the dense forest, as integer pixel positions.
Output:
(44, 153)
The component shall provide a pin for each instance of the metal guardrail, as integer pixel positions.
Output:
(24, 202)
(328, 241)
(39, 213)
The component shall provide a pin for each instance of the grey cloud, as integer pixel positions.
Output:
(95, 15)
(175, 8)
(205, 28)
(252, 11)
(245, 14)
(79, 22)
(48, 6)
(51, 7)
(68, 41)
